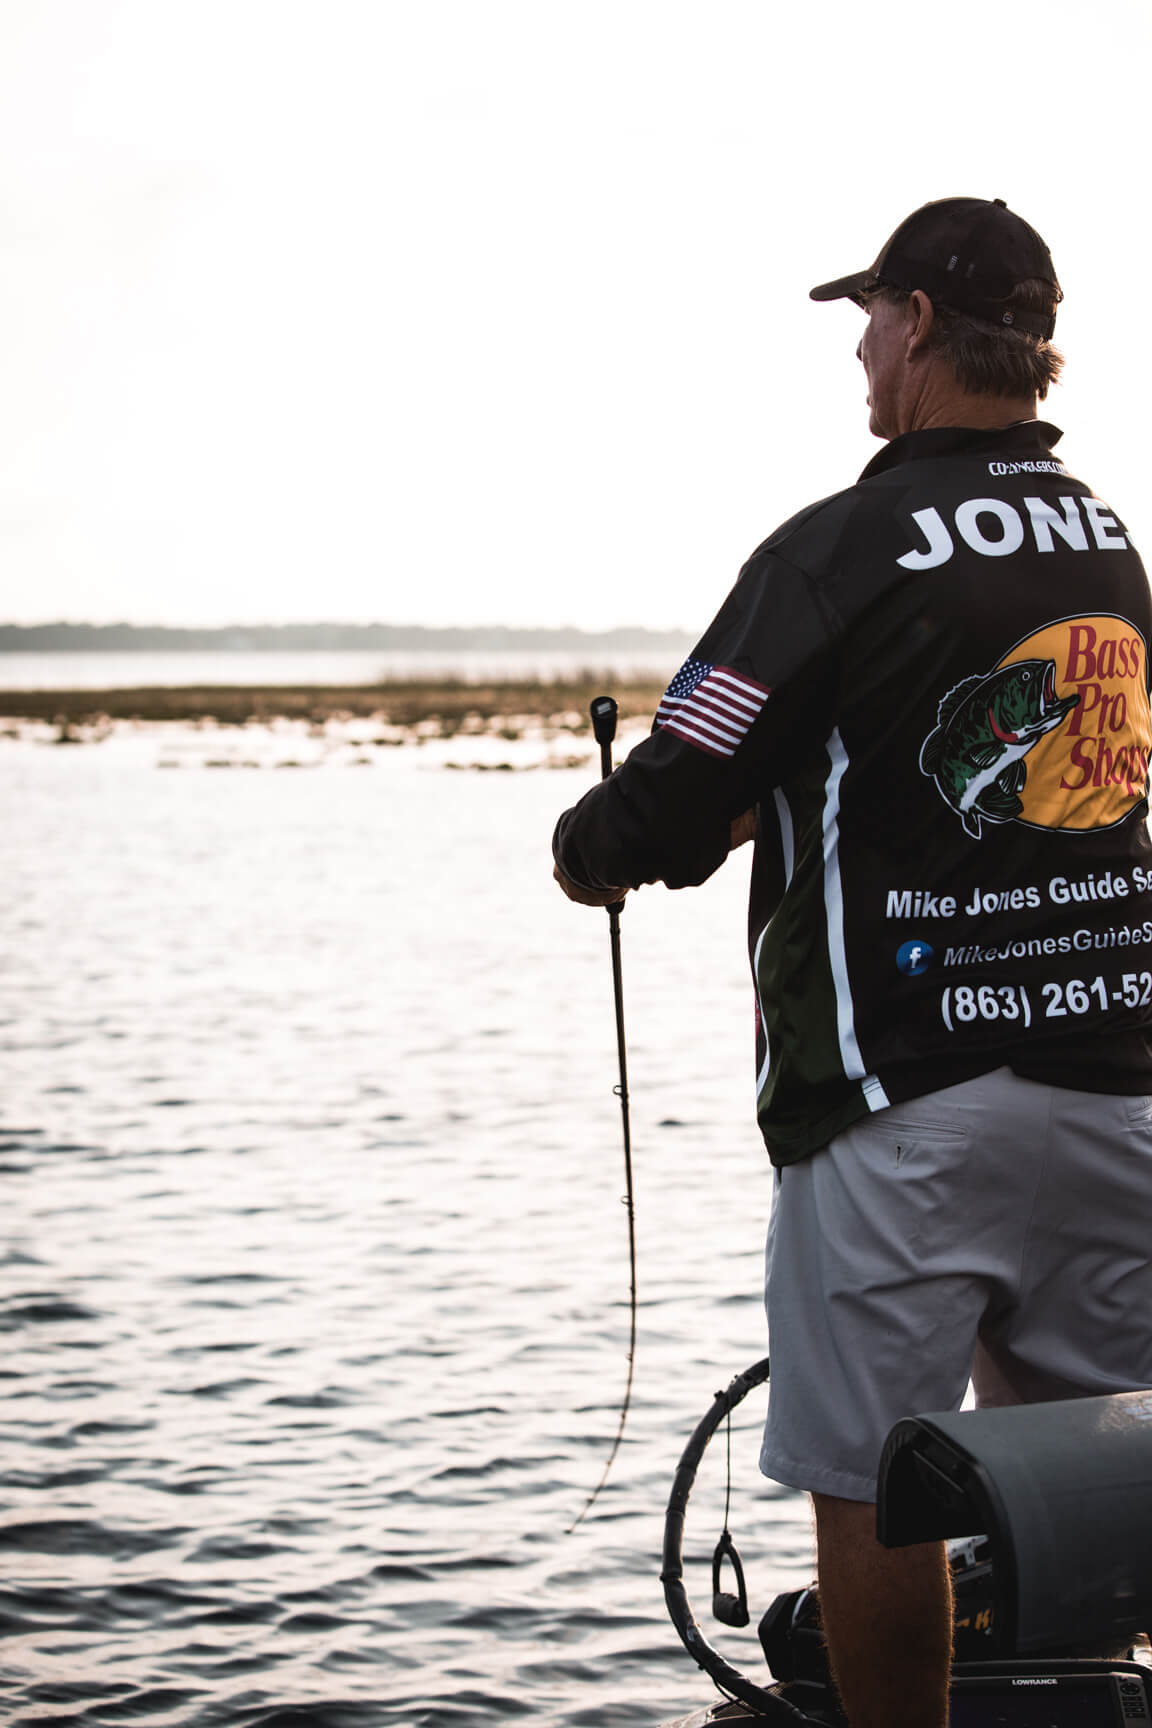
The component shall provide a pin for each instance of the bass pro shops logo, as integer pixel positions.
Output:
(1057, 735)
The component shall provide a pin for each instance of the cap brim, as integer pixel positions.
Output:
(844, 288)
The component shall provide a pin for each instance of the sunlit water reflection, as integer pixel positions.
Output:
(314, 1274)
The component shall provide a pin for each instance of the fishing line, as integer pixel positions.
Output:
(604, 730)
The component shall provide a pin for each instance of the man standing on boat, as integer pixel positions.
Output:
(926, 698)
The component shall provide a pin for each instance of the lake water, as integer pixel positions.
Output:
(313, 1268)
(82, 671)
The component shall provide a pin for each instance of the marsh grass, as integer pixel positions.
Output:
(420, 707)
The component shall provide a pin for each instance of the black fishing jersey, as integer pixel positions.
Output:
(933, 686)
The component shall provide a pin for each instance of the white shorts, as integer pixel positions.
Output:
(1000, 1230)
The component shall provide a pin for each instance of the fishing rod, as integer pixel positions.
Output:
(603, 711)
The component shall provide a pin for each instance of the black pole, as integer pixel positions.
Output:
(603, 713)
(604, 730)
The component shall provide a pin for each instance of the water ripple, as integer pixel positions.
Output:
(313, 1272)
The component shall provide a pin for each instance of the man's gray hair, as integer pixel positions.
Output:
(991, 359)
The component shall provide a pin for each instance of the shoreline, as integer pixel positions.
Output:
(437, 707)
(450, 723)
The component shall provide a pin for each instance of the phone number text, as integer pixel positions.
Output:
(961, 1004)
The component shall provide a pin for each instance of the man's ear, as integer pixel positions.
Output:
(920, 314)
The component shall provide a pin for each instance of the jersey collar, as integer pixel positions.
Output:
(1034, 436)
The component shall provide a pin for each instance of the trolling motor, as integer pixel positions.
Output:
(1047, 1509)
(603, 711)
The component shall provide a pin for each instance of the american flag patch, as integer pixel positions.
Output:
(711, 706)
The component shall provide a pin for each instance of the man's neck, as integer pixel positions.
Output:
(932, 396)
(980, 412)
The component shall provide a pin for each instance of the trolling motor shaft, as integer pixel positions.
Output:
(603, 711)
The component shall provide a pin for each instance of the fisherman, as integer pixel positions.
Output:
(926, 699)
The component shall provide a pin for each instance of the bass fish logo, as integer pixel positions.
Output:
(1056, 736)
(986, 726)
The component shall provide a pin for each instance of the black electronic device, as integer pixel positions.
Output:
(1063, 1492)
(1043, 1699)
(1046, 1693)
(1048, 1510)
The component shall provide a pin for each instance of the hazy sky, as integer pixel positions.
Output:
(461, 311)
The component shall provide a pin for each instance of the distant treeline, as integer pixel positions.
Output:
(301, 638)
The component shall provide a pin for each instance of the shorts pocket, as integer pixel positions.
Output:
(1140, 1111)
(895, 1123)
(905, 1140)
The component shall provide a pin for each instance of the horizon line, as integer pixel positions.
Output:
(349, 625)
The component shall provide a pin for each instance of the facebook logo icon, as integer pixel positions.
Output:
(914, 958)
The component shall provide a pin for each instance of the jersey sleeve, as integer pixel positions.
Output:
(719, 743)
